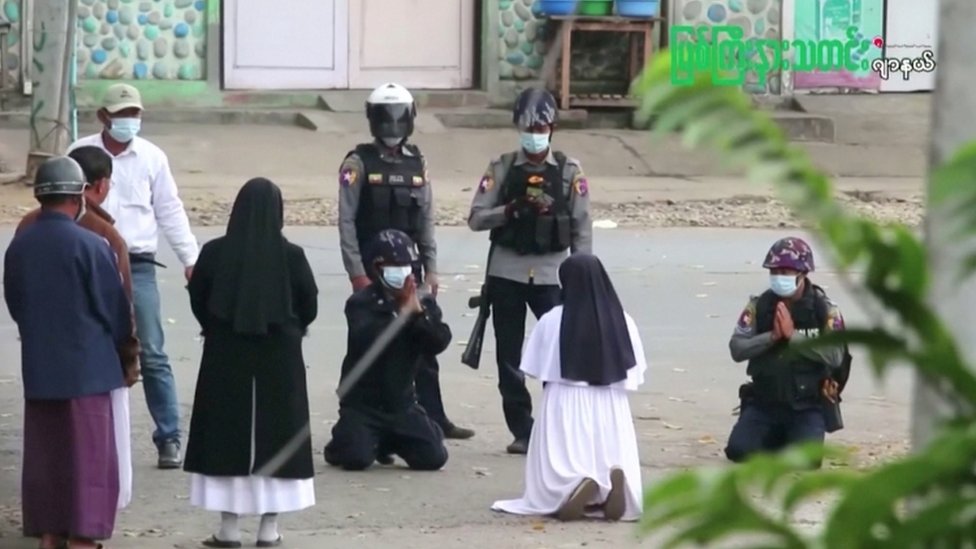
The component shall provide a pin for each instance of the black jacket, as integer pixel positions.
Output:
(388, 385)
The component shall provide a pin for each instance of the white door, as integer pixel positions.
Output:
(911, 28)
(286, 44)
(417, 43)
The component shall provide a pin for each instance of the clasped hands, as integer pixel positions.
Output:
(783, 329)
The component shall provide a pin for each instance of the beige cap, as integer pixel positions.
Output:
(121, 96)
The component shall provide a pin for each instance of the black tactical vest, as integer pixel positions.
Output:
(780, 377)
(392, 195)
(536, 234)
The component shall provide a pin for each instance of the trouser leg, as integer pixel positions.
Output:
(508, 304)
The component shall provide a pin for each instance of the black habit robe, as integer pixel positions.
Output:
(251, 281)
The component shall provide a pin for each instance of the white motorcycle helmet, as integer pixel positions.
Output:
(391, 110)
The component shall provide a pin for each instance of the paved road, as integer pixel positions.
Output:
(684, 287)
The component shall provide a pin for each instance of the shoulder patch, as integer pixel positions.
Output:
(835, 320)
(487, 182)
(347, 176)
(580, 185)
(747, 318)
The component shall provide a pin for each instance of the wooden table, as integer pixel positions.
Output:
(631, 26)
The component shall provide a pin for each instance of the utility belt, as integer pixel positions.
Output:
(145, 258)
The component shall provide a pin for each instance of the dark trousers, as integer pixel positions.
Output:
(508, 308)
(769, 429)
(360, 436)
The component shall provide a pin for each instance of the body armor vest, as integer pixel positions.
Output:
(392, 197)
(783, 378)
(537, 234)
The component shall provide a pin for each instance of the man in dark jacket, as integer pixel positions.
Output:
(63, 289)
(378, 410)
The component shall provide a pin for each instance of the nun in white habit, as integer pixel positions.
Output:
(583, 459)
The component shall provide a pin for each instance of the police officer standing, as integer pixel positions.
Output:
(384, 185)
(784, 403)
(535, 202)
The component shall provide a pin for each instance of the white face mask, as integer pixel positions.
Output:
(124, 130)
(396, 277)
(534, 143)
(391, 142)
(783, 285)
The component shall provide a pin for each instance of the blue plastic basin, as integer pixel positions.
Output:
(556, 7)
(637, 8)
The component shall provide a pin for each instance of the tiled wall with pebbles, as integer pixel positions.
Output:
(524, 35)
(757, 18)
(131, 39)
(142, 39)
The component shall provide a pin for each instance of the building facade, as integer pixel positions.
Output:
(215, 52)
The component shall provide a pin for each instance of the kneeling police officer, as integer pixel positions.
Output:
(791, 389)
(378, 413)
(384, 185)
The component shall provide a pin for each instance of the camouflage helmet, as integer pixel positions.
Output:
(790, 253)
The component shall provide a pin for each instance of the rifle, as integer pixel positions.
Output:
(471, 356)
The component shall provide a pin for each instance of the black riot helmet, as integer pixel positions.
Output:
(391, 110)
(534, 107)
(59, 175)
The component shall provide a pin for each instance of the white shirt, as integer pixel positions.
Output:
(143, 199)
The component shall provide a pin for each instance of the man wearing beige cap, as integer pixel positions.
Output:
(144, 200)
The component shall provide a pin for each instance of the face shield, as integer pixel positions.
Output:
(390, 120)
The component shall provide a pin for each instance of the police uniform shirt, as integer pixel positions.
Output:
(487, 212)
(351, 181)
(746, 344)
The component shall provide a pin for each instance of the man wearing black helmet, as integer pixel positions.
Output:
(535, 202)
(384, 185)
(62, 287)
(378, 410)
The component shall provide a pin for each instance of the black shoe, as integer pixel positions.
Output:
(519, 446)
(459, 433)
(169, 455)
(385, 459)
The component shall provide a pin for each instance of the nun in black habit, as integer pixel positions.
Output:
(582, 458)
(254, 294)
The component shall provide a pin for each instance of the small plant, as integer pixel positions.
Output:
(870, 509)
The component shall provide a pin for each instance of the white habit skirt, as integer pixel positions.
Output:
(123, 443)
(251, 495)
(581, 432)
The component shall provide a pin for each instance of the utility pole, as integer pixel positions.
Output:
(953, 105)
(55, 22)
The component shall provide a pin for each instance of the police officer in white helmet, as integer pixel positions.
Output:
(384, 185)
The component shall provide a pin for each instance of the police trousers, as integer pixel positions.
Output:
(765, 428)
(508, 309)
(361, 436)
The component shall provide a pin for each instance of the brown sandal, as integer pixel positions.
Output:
(616, 503)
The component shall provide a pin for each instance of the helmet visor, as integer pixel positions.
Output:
(391, 120)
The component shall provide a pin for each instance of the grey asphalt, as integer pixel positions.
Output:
(684, 287)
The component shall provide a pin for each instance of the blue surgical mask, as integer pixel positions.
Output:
(783, 285)
(534, 143)
(124, 130)
(396, 277)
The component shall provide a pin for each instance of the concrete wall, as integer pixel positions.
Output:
(757, 18)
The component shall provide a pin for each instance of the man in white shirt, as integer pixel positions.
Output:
(144, 200)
